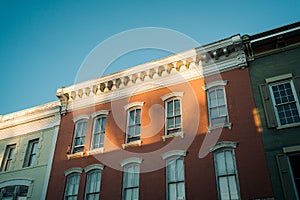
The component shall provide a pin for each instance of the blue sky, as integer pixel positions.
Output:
(44, 43)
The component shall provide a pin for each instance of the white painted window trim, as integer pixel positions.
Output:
(224, 144)
(128, 108)
(291, 149)
(84, 119)
(99, 113)
(214, 85)
(167, 98)
(73, 170)
(93, 167)
(172, 95)
(279, 78)
(96, 115)
(173, 153)
(274, 103)
(133, 160)
(80, 117)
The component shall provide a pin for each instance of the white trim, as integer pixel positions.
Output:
(169, 154)
(224, 144)
(16, 181)
(100, 112)
(291, 149)
(130, 161)
(50, 160)
(95, 151)
(214, 84)
(171, 95)
(80, 117)
(134, 143)
(73, 170)
(279, 78)
(93, 167)
(133, 104)
(75, 155)
(181, 134)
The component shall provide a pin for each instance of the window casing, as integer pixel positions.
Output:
(133, 129)
(175, 178)
(8, 157)
(226, 174)
(131, 181)
(285, 102)
(79, 135)
(173, 116)
(14, 192)
(294, 163)
(99, 132)
(31, 153)
(92, 188)
(72, 186)
(217, 106)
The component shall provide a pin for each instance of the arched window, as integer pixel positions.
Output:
(79, 133)
(99, 129)
(72, 183)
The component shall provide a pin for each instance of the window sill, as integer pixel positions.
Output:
(75, 155)
(95, 151)
(134, 143)
(218, 126)
(288, 126)
(172, 135)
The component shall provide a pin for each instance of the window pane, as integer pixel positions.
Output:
(180, 191)
(170, 109)
(229, 162)
(131, 117)
(214, 112)
(170, 122)
(177, 107)
(212, 98)
(172, 191)
(222, 111)
(178, 121)
(221, 168)
(180, 170)
(135, 194)
(221, 98)
(224, 190)
(171, 168)
(233, 188)
(128, 194)
(138, 116)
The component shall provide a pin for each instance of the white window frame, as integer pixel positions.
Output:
(77, 121)
(89, 181)
(130, 107)
(222, 147)
(76, 171)
(214, 86)
(168, 98)
(126, 164)
(30, 157)
(96, 116)
(8, 157)
(171, 157)
(279, 82)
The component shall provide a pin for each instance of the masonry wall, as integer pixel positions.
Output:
(200, 180)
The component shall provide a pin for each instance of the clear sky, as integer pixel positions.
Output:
(44, 43)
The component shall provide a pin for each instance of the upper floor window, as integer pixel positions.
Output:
(217, 106)
(173, 113)
(93, 181)
(92, 188)
(226, 172)
(280, 100)
(31, 153)
(79, 134)
(8, 156)
(133, 127)
(175, 180)
(131, 176)
(99, 132)
(72, 183)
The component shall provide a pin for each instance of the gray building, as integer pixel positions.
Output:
(274, 66)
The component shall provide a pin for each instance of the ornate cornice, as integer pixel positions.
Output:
(210, 59)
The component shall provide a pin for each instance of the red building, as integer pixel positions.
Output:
(183, 127)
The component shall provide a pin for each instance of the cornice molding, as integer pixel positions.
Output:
(214, 58)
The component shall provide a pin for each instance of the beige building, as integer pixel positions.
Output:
(27, 143)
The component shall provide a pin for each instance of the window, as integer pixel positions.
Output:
(133, 125)
(173, 114)
(226, 174)
(131, 167)
(99, 132)
(8, 156)
(294, 160)
(175, 180)
(285, 102)
(281, 101)
(31, 153)
(217, 105)
(79, 136)
(14, 192)
(131, 182)
(92, 188)
(72, 186)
